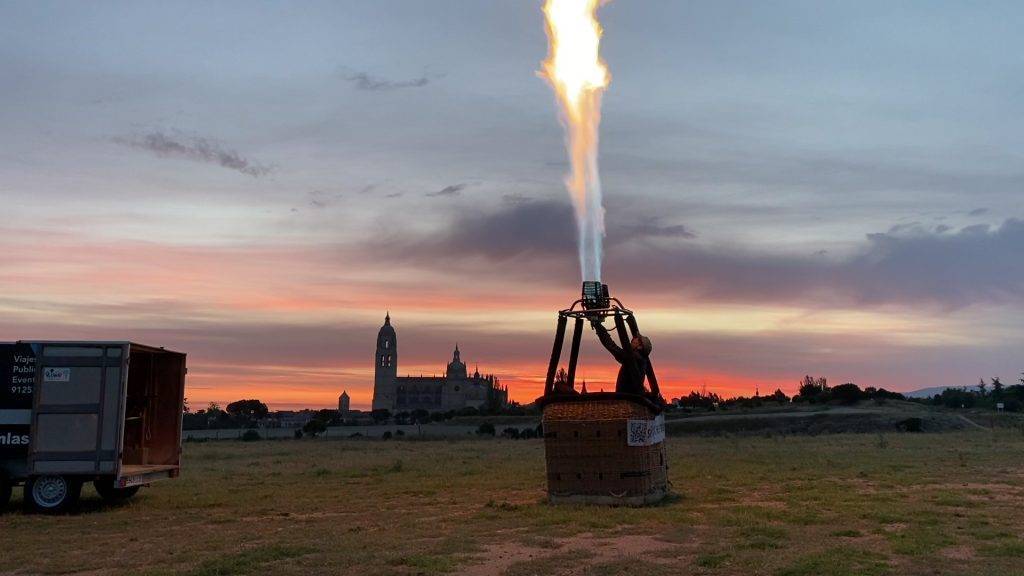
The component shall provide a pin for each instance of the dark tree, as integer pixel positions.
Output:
(997, 387)
(380, 415)
(314, 427)
(329, 416)
(848, 393)
(248, 411)
(561, 377)
(813, 390)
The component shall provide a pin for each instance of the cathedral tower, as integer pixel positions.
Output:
(456, 368)
(385, 367)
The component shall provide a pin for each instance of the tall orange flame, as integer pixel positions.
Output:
(578, 75)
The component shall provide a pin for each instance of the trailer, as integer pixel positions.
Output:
(75, 412)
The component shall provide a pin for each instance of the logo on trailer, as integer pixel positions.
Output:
(10, 439)
(56, 374)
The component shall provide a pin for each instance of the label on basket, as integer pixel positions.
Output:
(646, 432)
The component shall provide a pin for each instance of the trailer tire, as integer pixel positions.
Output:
(5, 490)
(105, 487)
(52, 493)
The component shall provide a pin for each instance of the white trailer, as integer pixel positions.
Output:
(76, 412)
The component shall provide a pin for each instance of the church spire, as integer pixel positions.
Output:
(387, 318)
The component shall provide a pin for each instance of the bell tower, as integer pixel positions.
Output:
(385, 363)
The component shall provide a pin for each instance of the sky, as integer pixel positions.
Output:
(825, 188)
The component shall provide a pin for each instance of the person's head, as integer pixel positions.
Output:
(641, 345)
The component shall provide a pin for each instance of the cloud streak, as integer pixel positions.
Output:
(368, 82)
(453, 190)
(196, 149)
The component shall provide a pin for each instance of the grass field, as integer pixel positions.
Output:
(826, 505)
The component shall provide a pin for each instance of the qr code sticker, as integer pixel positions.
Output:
(639, 432)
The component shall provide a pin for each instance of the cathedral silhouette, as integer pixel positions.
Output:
(453, 391)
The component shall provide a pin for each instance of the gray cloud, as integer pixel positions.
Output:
(196, 149)
(453, 190)
(978, 212)
(365, 81)
(521, 228)
(652, 227)
(515, 198)
(909, 264)
(320, 199)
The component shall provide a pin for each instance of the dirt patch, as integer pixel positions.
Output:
(592, 550)
(957, 553)
(500, 557)
(985, 491)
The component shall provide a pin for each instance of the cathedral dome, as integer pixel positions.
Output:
(456, 368)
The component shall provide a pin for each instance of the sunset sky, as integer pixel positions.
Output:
(827, 188)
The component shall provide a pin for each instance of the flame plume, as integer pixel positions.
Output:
(578, 75)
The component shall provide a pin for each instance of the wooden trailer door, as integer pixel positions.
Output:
(78, 399)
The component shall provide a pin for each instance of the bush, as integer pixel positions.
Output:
(298, 433)
(251, 436)
(486, 429)
(512, 433)
(386, 435)
(911, 425)
(315, 427)
(399, 432)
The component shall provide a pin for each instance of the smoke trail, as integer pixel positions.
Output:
(578, 76)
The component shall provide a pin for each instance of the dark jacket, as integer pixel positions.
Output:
(631, 378)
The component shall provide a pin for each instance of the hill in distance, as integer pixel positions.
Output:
(929, 392)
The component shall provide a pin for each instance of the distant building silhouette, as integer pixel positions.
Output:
(455, 390)
(343, 403)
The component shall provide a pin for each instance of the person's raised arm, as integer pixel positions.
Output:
(606, 338)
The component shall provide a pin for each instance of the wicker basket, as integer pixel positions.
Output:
(605, 448)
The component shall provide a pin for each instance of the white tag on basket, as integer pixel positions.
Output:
(646, 432)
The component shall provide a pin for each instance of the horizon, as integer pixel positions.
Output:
(810, 189)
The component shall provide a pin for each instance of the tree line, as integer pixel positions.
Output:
(816, 390)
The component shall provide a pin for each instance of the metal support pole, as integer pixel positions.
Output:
(574, 352)
(620, 329)
(556, 353)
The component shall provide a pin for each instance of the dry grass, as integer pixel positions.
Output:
(827, 505)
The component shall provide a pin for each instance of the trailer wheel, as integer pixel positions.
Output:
(52, 494)
(107, 491)
(5, 490)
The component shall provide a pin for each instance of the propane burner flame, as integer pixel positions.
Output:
(578, 76)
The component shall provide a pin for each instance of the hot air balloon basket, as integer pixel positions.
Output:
(605, 448)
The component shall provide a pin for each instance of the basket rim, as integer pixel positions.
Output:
(645, 400)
